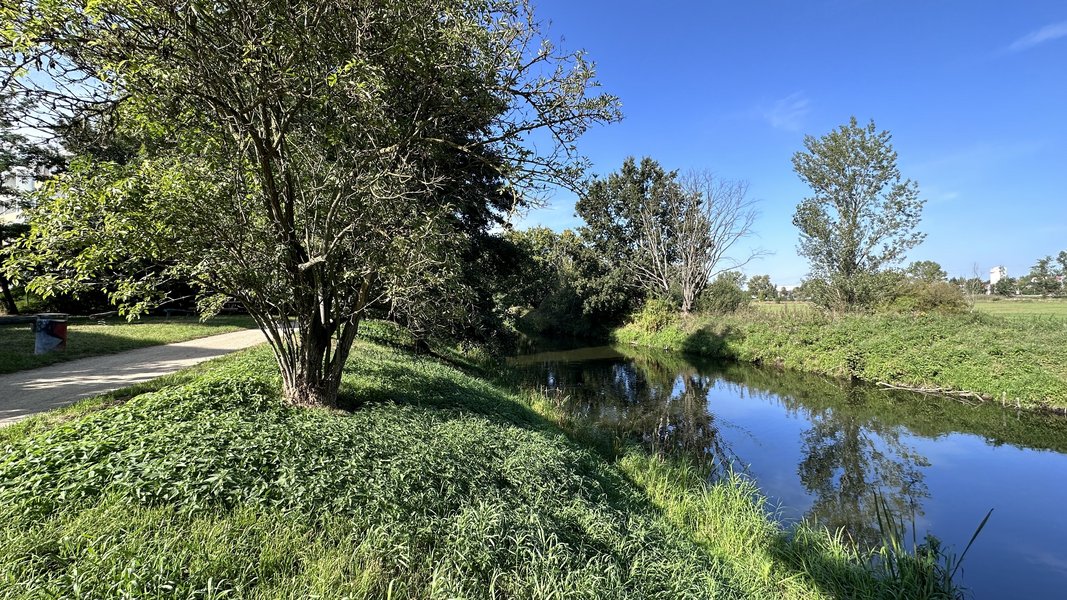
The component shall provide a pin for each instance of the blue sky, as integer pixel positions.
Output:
(974, 93)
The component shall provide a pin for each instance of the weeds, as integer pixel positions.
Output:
(1021, 361)
(439, 486)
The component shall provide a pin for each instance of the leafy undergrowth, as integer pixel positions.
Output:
(439, 485)
(1021, 361)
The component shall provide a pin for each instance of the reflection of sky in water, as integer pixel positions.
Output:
(829, 454)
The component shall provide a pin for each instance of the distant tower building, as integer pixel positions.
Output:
(995, 275)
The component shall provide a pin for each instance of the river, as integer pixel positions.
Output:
(823, 449)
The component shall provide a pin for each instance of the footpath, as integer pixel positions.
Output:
(30, 392)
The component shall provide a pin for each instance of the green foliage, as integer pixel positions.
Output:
(19, 157)
(440, 485)
(925, 296)
(724, 295)
(926, 270)
(544, 291)
(612, 210)
(862, 216)
(1018, 360)
(761, 287)
(1006, 286)
(1046, 277)
(655, 315)
(324, 158)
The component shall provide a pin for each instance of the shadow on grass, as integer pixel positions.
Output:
(426, 383)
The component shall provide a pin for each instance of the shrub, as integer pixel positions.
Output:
(723, 296)
(655, 315)
(916, 296)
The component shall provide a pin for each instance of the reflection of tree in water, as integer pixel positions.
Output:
(850, 453)
(852, 450)
(847, 461)
(679, 422)
(663, 405)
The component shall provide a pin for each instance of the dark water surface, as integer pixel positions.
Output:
(823, 448)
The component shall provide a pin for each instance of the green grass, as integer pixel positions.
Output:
(1050, 307)
(1021, 361)
(440, 484)
(86, 338)
(788, 307)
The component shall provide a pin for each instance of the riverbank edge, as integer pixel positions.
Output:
(971, 357)
(729, 520)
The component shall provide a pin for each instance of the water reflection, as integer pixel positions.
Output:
(825, 447)
(663, 405)
(847, 452)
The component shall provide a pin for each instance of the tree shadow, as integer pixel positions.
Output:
(424, 383)
(705, 342)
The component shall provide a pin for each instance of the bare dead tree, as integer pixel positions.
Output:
(656, 255)
(712, 216)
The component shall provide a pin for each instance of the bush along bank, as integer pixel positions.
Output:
(437, 484)
(1016, 361)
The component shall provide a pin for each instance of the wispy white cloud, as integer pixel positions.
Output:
(977, 158)
(788, 113)
(937, 194)
(1047, 33)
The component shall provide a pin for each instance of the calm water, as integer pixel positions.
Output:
(823, 448)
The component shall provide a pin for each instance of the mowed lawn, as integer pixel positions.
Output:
(1008, 307)
(91, 338)
(1048, 307)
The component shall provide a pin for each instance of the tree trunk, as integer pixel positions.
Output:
(9, 300)
(312, 360)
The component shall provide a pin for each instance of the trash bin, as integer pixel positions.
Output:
(51, 330)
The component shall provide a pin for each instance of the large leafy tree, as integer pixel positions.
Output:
(310, 158)
(927, 271)
(862, 215)
(629, 233)
(657, 234)
(1046, 276)
(761, 287)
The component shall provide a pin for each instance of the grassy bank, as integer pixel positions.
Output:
(994, 305)
(87, 338)
(440, 484)
(1018, 360)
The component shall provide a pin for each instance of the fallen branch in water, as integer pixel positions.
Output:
(958, 394)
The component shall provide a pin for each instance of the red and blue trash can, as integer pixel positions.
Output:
(51, 333)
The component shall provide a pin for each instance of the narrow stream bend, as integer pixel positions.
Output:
(823, 448)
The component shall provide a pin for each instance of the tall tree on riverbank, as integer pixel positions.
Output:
(629, 234)
(862, 217)
(311, 158)
(664, 235)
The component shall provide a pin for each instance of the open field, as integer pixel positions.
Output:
(86, 338)
(439, 484)
(789, 307)
(1051, 307)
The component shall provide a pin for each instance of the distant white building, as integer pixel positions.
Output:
(995, 274)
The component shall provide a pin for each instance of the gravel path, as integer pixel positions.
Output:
(27, 393)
